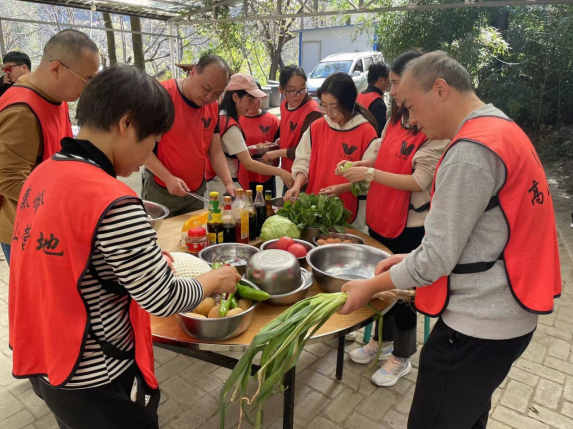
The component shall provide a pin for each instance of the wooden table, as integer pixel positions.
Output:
(168, 335)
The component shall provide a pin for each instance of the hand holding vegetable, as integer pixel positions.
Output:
(359, 294)
(292, 194)
(355, 174)
(386, 264)
(223, 280)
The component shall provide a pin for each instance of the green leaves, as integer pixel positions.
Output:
(316, 211)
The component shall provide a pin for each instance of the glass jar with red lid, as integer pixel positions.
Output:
(196, 240)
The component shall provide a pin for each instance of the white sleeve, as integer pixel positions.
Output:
(302, 159)
(233, 141)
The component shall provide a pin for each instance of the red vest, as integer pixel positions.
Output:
(54, 118)
(387, 208)
(291, 125)
(225, 123)
(531, 256)
(59, 210)
(183, 149)
(259, 129)
(367, 99)
(329, 147)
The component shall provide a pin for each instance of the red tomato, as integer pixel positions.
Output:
(297, 250)
(284, 243)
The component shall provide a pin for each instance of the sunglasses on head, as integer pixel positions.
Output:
(8, 69)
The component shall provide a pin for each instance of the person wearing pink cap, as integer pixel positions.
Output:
(240, 100)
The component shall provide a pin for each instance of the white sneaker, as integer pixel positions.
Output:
(367, 353)
(391, 371)
(351, 336)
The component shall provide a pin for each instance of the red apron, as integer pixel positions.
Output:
(531, 255)
(367, 99)
(54, 118)
(387, 208)
(291, 125)
(329, 147)
(225, 123)
(259, 129)
(60, 207)
(183, 149)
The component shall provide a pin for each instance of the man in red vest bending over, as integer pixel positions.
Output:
(34, 118)
(178, 163)
(489, 263)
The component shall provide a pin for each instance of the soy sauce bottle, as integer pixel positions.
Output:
(229, 226)
(215, 220)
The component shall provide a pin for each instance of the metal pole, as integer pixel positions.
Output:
(172, 53)
(177, 51)
(2, 47)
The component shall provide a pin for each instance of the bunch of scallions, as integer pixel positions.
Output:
(281, 342)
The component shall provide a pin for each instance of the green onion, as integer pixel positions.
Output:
(281, 342)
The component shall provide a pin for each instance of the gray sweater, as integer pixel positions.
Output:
(458, 230)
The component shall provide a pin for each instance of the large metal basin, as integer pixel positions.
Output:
(272, 244)
(337, 264)
(156, 213)
(275, 271)
(218, 329)
(293, 297)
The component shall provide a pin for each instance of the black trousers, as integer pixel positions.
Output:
(457, 376)
(269, 185)
(108, 406)
(400, 322)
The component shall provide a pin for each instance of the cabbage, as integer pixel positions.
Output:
(278, 227)
(359, 187)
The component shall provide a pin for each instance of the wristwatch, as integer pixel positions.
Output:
(369, 175)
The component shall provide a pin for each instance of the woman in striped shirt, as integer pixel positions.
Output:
(101, 272)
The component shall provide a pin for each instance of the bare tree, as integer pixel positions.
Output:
(110, 39)
(137, 41)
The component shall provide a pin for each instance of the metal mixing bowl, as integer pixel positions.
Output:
(218, 329)
(225, 251)
(275, 271)
(337, 264)
(293, 297)
(309, 233)
(278, 202)
(272, 244)
(156, 212)
(354, 238)
(258, 152)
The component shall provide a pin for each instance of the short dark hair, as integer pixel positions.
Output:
(439, 65)
(69, 44)
(377, 71)
(342, 87)
(208, 59)
(17, 57)
(401, 60)
(288, 72)
(118, 90)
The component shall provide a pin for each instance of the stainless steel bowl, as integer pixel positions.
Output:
(337, 264)
(309, 233)
(272, 244)
(258, 152)
(227, 251)
(293, 297)
(156, 212)
(278, 202)
(218, 329)
(354, 238)
(275, 271)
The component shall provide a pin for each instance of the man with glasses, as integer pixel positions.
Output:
(14, 65)
(34, 118)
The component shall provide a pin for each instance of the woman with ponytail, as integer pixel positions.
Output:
(346, 132)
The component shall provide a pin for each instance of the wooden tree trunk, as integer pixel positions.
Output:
(138, 57)
(110, 39)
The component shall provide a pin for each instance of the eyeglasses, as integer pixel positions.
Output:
(295, 92)
(73, 72)
(331, 110)
(8, 69)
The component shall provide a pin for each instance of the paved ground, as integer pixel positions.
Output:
(538, 394)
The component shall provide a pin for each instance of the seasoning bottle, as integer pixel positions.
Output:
(196, 241)
(215, 220)
(229, 227)
(260, 209)
(252, 216)
(269, 205)
(241, 217)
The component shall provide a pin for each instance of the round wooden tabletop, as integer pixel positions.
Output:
(167, 330)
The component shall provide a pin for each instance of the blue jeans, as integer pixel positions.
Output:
(6, 250)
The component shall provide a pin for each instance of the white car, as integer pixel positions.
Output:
(356, 64)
